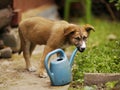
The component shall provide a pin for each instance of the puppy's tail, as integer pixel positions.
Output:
(21, 40)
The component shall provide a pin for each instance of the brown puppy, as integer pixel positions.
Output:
(53, 34)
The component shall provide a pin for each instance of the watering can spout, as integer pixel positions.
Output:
(72, 57)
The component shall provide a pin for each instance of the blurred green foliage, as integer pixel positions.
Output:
(102, 54)
(117, 3)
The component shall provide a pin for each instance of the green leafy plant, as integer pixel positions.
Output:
(111, 85)
(102, 54)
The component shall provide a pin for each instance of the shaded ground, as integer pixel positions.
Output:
(14, 76)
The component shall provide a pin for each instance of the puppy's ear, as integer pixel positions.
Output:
(88, 28)
(69, 30)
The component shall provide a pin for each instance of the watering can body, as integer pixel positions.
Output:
(60, 68)
(61, 72)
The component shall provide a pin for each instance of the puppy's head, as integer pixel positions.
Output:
(77, 35)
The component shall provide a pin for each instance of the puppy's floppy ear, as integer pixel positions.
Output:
(88, 28)
(69, 30)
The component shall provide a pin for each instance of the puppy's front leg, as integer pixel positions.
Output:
(42, 67)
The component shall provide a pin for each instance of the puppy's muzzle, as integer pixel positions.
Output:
(82, 47)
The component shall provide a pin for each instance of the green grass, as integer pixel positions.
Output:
(102, 55)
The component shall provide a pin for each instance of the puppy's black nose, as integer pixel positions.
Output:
(82, 49)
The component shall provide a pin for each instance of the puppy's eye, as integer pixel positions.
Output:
(77, 38)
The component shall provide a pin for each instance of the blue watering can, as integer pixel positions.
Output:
(60, 68)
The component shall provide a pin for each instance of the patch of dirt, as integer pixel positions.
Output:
(14, 76)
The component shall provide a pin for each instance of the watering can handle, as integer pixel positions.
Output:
(62, 54)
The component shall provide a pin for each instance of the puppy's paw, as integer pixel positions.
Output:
(32, 69)
(43, 75)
